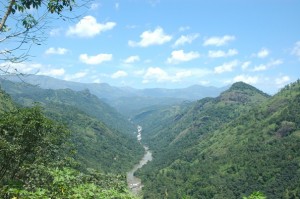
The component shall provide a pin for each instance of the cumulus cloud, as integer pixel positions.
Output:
(57, 51)
(226, 67)
(220, 53)
(183, 39)
(245, 65)
(246, 78)
(283, 80)
(159, 75)
(119, 74)
(97, 59)
(32, 68)
(24, 67)
(148, 38)
(263, 67)
(218, 41)
(296, 49)
(132, 59)
(263, 53)
(89, 27)
(178, 56)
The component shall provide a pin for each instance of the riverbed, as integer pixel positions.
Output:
(134, 183)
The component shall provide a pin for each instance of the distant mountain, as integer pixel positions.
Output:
(125, 99)
(241, 142)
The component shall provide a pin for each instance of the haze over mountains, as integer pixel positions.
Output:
(125, 99)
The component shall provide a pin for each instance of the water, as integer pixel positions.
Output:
(134, 183)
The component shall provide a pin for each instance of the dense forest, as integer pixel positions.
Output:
(239, 143)
(56, 150)
(69, 144)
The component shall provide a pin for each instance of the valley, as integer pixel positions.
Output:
(240, 142)
(135, 183)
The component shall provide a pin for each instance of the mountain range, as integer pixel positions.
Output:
(234, 144)
(125, 99)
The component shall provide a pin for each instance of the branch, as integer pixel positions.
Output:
(9, 9)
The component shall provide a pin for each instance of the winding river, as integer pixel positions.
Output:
(134, 183)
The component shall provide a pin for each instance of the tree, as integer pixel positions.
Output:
(27, 138)
(22, 25)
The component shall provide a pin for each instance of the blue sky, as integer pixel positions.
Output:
(175, 44)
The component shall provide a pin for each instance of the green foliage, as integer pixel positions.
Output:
(27, 137)
(36, 161)
(103, 138)
(235, 144)
(68, 183)
(6, 103)
(256, 195)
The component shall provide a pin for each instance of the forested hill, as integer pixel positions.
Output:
(251, 144)
(27, 94)
(104, 139)
(37, 155)
(184, 124)
(6, 104)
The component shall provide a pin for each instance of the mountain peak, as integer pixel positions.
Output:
(240, 92)
(241, 86)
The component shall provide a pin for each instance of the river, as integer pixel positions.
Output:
(134, 183)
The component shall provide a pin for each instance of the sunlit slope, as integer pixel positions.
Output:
(257, 151)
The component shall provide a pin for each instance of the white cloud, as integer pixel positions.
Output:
(132, 59)
(88, 27)
(226, 67)
(148, 38)
(97, 59)
(178, 56)
(296, 49)
(245, 65)
(247, 79)
(26, 68)
(31, 68)
(57, 51)
(53, 72)
(218, 41)
(260, 67)
(155, 73)
(159, 75)
(263, 67)
(281, 81)
(220, 53)
(263, 53)
(119, 74)
(183, 39)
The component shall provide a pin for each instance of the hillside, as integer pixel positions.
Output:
(6, 104)
(256, 148)
(27, 94)
(36, 158)
(191, 120)
(103, 138)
